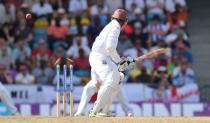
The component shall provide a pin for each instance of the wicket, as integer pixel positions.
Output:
(62, 89)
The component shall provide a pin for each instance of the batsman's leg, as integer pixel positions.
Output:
(124, 103)
(107, 91)
(88, 91)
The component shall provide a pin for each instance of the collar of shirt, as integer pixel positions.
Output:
(115, 22)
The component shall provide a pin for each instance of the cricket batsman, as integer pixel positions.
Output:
(106, 63)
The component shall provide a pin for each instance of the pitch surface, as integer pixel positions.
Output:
(37, 119)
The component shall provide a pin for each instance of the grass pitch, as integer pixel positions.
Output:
(37, 119)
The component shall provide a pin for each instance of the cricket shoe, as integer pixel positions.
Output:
(109, 114)
(130, 114)
(92, 114)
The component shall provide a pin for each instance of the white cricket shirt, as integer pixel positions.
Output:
(107, 38)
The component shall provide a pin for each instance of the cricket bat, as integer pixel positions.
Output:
(153, 54)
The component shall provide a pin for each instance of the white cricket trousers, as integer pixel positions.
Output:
(90, 89)
(108, 73)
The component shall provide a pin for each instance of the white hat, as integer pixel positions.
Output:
(171, 37)
(137, 11)
(162, 68)
(24, 5)
(61, 10)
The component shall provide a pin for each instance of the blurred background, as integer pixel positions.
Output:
(174, 84)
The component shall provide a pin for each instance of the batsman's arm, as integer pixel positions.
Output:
(111, 44)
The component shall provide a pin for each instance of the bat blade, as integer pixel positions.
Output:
(153, 54)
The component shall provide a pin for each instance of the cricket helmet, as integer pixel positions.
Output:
(121, 14)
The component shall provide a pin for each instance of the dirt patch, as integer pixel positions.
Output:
(105, 120)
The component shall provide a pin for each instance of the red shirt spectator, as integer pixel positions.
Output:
(82, 61)
(42, 53)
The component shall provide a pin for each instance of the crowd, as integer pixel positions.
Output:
(29, 48)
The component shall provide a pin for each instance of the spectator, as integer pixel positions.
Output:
(5, 76)
(139, 3)
(43, 73)
(77, 7)
(4, 44)
(23, 30)
(124, 43)
(169, 6)
(156, 30)
(136, 51)
(73, 51)
(114, 4)
(59, 53)
(64, 21)
(161, 76)
(182, 14)
(131, 12)
(144, 76)
(58, 31)
(155, 8)
(138, 25)
(85, 22)
(177, 19)
(73, 27)
(56, 4)
(94, 29)
(183, 75)
(173, 64)
(181, 52)
(19, 17)
(6, 59)
(181, 3)
(139, 74)
(7, 12)
(42, 8)
(24, 77)
(100, 8)
(41, 54)
(22, 52)
(58, 34)
(7, 30)
(161, 60)
(160, 94)
(81, 64)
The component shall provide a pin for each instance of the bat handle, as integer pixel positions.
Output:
(140, 58)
